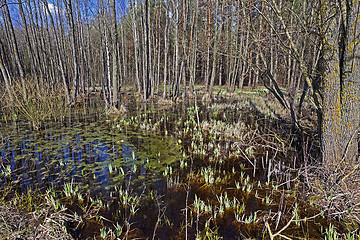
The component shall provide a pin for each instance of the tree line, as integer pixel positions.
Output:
(164, 48)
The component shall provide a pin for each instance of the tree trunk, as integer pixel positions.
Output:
(28, 43)
(176, 56)
(61, 64)
(207, 69)
(114, 55)
(215, 50)
(14, 44)
(147, 47)
(71, 20)
(341, 84)
(136, 44)
(166, 49)
(5, 73)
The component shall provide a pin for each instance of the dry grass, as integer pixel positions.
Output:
(41, 224)
(35, 103)
(336, 191)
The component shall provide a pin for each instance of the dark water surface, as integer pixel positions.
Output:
(85, 151)
(106, 159)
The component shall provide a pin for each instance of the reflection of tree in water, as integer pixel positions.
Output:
(129, 160)
(134, 166)
(55, 160)
(90, 157)
(101, 156)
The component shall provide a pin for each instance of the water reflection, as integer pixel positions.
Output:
(92, 155)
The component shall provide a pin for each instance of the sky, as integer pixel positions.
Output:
(121, 7)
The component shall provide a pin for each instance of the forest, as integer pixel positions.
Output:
(179, 119)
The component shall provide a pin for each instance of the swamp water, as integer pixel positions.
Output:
(88, 155)
(182, 183)
(85, 153)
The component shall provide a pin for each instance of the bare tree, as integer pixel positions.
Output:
(114, 55)
(74, 47)
(13, 42)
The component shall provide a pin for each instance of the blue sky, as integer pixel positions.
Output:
(121, 7)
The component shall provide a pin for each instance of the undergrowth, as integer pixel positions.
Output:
(34, 103)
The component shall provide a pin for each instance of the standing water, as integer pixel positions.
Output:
(88, 154)
(218, 177)
(84, 152)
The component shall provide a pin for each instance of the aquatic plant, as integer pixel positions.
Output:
(69, 189)
(267, 200)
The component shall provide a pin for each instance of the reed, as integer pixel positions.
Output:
(36, 103)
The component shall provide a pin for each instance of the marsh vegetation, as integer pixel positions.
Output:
(179, 119)
(231, 168)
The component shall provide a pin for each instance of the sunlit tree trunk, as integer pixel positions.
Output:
(107, 68)
(71, 21)
(246, 51)
(114, 55)
(88, 55)
(28, 43)
(341, 82)
(44, 55)
(136, 43)
(5, 73)
(176, 46)
(185, 36)
(51, 63)
(218, 28)
(14, 44)
(156, 50)
(148, 51)
(208, 42)
(123, 55)
(143, 49)
(230, 50)
(60, 58)
(192, 56)
(81, 46)
(166, 49)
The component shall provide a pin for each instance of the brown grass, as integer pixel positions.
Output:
(41, 224)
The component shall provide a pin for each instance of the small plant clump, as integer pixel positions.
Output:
(35, 103)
